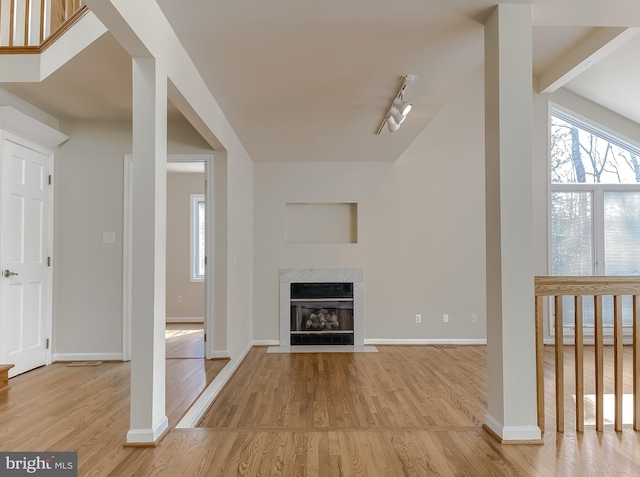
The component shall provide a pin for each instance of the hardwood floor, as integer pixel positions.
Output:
(405, 411)
(86, 409)
(444, 387)
(184, 340)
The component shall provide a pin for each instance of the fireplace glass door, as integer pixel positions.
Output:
(321, 313)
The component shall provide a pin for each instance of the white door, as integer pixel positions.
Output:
(24, 235)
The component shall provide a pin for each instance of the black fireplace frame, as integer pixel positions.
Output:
(318, 295)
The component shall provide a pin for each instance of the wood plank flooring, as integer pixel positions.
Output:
(398, 387)
(405, 411)
(86, 409)
(184, 340)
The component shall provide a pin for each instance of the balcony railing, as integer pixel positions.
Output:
(29, 26)
(578, 287)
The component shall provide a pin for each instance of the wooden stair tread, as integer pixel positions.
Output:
(4, 377)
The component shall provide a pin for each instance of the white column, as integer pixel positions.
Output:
(509, 223)
(148, 419)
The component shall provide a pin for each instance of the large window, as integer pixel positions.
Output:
(595, 207)
(197, 237)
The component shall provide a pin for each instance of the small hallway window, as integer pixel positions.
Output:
(197, 237)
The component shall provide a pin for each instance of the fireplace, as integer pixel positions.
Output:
(329, 291)
(321, 313)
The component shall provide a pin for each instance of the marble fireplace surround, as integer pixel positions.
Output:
(321, 275)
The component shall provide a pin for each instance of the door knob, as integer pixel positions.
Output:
(8, 273)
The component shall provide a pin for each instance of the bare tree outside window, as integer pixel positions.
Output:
(581, 156)
(595, 207)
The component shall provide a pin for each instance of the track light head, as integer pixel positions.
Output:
(399, 108)
(392, 124)
(403, 106)
(397, 115)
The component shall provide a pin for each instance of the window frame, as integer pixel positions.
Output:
(597, 191)
(194, 243)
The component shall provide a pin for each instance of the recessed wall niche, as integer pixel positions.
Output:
(322, 222)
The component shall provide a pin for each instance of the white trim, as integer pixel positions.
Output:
(26, 127)
(49, 318)
(185, 319)
(147, 436)
(266, 342)
(460, 342)
(219, 354)
(188, 157)
(87, 357)
(210, 285)
(513, 433)
(127, 259)
(195, 413)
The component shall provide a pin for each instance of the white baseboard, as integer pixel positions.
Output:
(513, 433)
(147, 436)
(460, 342)
(86, 357)
(266, 343)
(195, 413)
(219, 354)
(185, 319)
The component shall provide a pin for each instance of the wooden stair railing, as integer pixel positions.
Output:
(577, 287)
(30, 26)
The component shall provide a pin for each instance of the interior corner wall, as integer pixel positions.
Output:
(180, 187)
(421, 232)
(240, 241)
(88, 200)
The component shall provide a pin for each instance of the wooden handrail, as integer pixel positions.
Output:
(61, 15)
(578, 287)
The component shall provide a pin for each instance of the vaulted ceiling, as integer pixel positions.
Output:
(311, 81)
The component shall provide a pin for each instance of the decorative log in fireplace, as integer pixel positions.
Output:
(321, 313)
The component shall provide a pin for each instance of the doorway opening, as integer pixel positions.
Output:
(215, 291)
(186, 260)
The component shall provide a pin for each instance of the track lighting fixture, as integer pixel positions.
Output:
(392, 124)
(399, 108)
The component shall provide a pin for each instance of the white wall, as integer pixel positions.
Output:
(421, 221)
(421, 229)
(180, 187)
(88, 194)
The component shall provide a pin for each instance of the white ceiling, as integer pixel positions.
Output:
(311, 81)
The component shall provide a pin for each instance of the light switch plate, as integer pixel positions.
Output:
(108, 237)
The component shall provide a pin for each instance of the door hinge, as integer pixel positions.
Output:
(47, 343)
(205, 185)
(205, 337)
(48, 261)
(49, 179)
(205, 260)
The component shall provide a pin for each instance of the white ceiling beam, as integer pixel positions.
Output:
(597, 46)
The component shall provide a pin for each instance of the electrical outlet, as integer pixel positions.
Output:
(179, 298)
(445, 318)
(418, 318)
(474, 317)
